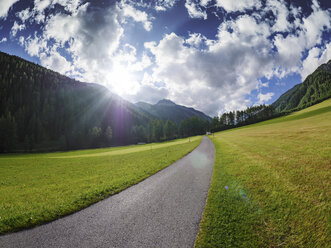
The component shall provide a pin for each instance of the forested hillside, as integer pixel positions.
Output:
(315, 88)
(168, 110)
(43, 110)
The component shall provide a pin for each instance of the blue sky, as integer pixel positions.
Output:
(213, 55)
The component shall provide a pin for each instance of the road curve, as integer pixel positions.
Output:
(162, 211)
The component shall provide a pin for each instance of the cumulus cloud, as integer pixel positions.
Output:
(21, 40)
(24, 14)
(196, 40)
(227, 70)
(40, 6)
(316, 57)
(194, 9)
(212, 75)
(83, 34)
(35, 45)
(92, 35)
(136, 15)
(309, 30)
(281, 11)
(238, 5)
(55, 61)
(86, 43)
(5, 5)
(158, 5)
(149, 91)
(197, 8)
(16, 27)
(246, 48)
(163, 5)
(263, 98)
(4, 39)
(314, 25)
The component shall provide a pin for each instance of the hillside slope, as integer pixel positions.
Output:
(315, 88)
(271, 183)
(43, 110)
(168, 110)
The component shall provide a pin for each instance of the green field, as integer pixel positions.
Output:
(37, 188)
(271, 184)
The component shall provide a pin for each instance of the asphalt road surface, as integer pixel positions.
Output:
(162, 211)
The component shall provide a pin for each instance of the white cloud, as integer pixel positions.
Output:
(238, 5)
(38, 11)
(5, 5)
(315, 58)
(4, 39)
(314, 24)
(55, 61)
(205, 3)
(39, 7)
(291, 47)
(196, 40)
(21, 40)
(281, 12)
(226, 70)
(136, 15)
(69, 5)
(158, 5)
(194, 9)
(262, 85)
(163, 5)
(212, 75)
(197, 8)
(263, 98)
(91, 37)
(35, 45)
(24, 14)
(311, 62)
(16, 27)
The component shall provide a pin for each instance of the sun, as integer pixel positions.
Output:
(123, 81)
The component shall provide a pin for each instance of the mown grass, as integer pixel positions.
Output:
(37, 188)
(278, 179)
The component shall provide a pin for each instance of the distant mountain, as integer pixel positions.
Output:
(168, 110)
(44, 110)
(315, 88)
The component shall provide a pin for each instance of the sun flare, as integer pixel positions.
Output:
(123, 81)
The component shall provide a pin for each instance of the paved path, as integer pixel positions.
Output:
(162, 211)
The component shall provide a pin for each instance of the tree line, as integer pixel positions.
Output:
(158, 130)
(239, 118)
(41, 110)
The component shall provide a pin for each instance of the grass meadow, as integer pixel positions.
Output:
(271, 184)
(38, 188)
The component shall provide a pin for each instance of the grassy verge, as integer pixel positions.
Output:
(36, 188)
(271, 184)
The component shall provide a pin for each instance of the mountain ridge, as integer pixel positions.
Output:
(42, 110)
(166, 109)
